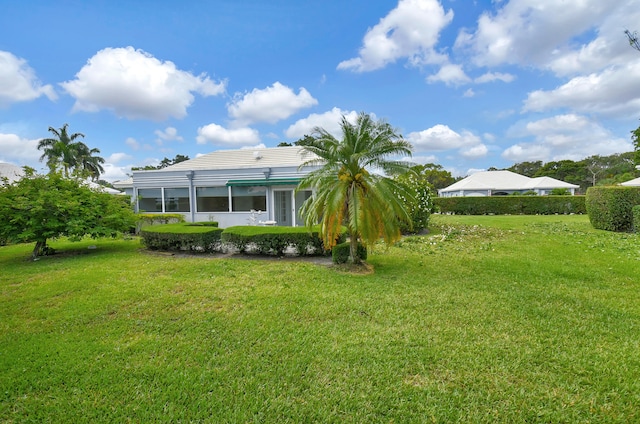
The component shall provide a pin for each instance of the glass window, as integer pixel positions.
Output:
(176, 200)
(150, 200)
(245, 199)
(301, 197)
(212, 199)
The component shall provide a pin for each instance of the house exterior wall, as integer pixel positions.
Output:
(161, 182)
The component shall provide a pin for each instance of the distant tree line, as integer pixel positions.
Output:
(163, 163)
(592, 171)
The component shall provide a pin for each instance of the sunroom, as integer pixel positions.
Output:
(232, 187)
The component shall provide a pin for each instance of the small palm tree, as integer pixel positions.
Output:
(66, 151)
(347, 192)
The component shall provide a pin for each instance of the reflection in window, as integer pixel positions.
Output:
(212, 199)
(245, 199)
(150, 200)
(176, 200)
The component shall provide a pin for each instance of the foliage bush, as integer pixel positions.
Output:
(610, 207)
(196, 237)
(420, 206)
(275, 240)
(340, 252)
(511, 205)
(37, 208)
(636, 219)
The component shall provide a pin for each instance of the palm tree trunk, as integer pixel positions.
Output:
(353, 249)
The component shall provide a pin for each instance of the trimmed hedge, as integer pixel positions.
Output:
(340, 252)
(610, 207)
(206, 237)
(197, 237)
(511, 205)
(275, 240)
(636, 219)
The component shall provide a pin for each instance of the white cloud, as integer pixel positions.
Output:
(270, 105)
(329, 120)
(169, 134)
(19, 151)
(474, 152)
(450, 74)
(132, 143)
(533, 31)
(441, 137)
(494, 76)
(112, 172)
(18, 81)
(257, 146)
(567, 136)
(421, 160)
(613, 91)
(133, 84)
(116, 158)
(220, 136)
(469, 93)
(410, 31)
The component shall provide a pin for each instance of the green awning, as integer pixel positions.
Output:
(264, 182)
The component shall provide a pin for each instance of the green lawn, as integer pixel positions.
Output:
(488, 319)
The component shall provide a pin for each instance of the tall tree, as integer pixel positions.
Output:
(635, 138)
(635, 134)
(633, 39)
(66, 151)
(526, 168)
(91, 164)
(347, 192)
(435, 175)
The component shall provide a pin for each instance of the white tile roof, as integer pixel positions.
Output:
(244, 158)
(505, 180)
(632, 183)
(11, 172)
(548, 182)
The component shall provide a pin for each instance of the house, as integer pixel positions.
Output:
(631, 183)
(14, 173)
(232, 187)
(500, 183)
(10, 172)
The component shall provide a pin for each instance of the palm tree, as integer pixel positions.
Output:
(71, 154)
(347, 192)
(91, 164)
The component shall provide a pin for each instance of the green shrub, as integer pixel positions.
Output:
(419, 206)
(182, 236)
(636, 219)
(610, 207)
(275, 240)
(511, 205)
(340, 252)
(204, 224)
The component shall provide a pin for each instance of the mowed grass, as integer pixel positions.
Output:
(486, 319)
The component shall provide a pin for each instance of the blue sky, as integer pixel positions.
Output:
(471, 84)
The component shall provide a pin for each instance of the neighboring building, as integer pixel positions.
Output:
(10, 172)
(500, 183)
(232, 187)
(632, 183)
(13, 173)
